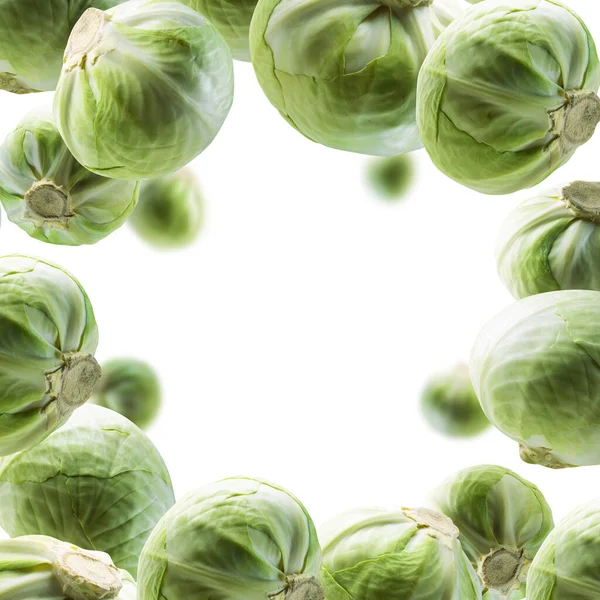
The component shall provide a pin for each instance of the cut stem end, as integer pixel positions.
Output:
(501, 568)
(575, 123)
(86, 34)
(11, 83)
(583, 197)
(85, 575)
(440, 524)
(47, 202)
(73, 383)
(541, 456)
(300, 587)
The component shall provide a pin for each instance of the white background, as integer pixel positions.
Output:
(294, 337)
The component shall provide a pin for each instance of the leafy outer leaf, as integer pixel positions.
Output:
(232, 19)
(525, 242)
(566, 567)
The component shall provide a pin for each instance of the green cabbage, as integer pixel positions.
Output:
(145, 88)
(170, 213)
(33, 37)
(344, 72)
(130, 387)
(394, 555)
(503, 520)
(97, 482)
(232, 540)
(450, 405)
(46, 192)
(535, 370)
(508, 93)
(552, 242)
(49, 336)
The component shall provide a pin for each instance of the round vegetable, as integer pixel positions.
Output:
(145, 87)
(409, 553)
(46, 192)
(170, 213)
(508, 93)
(98, 482)
(344, 72)
(566, 567)
(503, 520)
(131, 388)
(552, 242)
(49, 336)
(535, 370)
(232, 18)
(33, 36)
(238, 538)
(37, 567)
(450, 405)
(391, 177)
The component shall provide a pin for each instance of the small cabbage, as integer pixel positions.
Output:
(552, 242)
(33, 37)
(37, 567)
(49, 336)
(46, 192)
(238, 538)
(391, 177)
(232, 18)
(535, 370)
(566, 567)
(503, 520)
(170, 213)
(508, 93)
(344, 72)
(450, 405)
(131, 388)
(145, 87)
(98, 482)
(377, 554)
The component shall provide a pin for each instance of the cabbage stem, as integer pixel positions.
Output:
(86, 34)
(501, 568)
(300, 587)
(72, 384)
(575, 122)
(83, 576)
(46, 201)
(435, 521)
(583, 197)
